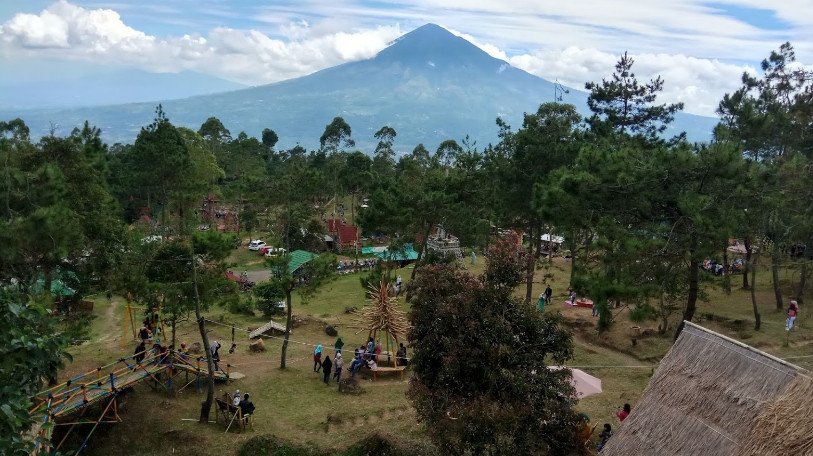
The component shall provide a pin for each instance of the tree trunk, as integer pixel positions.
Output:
(172, 356)
(777, 288)
(726, 272)
(573, 245)
(420, 252)
(530, 266)
(800, 290)
(757, 316)
(288, 325)
(748, 253)
(205, 406)
(694, 285)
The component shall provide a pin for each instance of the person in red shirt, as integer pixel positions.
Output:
(793, 310)
(624, 413)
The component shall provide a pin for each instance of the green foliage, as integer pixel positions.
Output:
(624, 105)
(642, 312)
(31, 350)
(269, 294)
(337, 133)
(481, 381)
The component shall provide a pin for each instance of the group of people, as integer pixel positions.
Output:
(607, 432)
(362, 264)
(720, 269)
(364, 356)
(545, 298)
(327, 366)
(244, 403)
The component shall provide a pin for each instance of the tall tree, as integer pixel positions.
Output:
(770, 117)
(623, 104)
(484, 387)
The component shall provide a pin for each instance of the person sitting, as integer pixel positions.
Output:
(140, 350)
(604, 436)
(624, 413)
(401, 355)
(183, 353)
(236, 401)
(357, 363)
(372, 365)
(246, 408)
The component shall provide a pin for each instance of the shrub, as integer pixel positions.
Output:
(643, 312)
(242, 305)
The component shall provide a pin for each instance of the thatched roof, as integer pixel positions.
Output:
(706, 398)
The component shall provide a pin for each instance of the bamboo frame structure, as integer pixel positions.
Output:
(382, 314)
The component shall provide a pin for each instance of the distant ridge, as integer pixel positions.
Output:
(429, 84)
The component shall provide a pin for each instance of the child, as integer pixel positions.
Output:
(605, 436)
(793, 310)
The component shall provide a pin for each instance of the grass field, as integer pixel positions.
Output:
(296, 406)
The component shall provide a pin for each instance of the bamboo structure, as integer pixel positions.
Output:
(382, 314)
(68, 403)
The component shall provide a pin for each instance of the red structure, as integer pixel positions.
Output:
(344, 235)
(222, 218)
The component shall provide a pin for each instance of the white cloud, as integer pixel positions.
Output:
(699, 83)
(65, 30)
(573, 43)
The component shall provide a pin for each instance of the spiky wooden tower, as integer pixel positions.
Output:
(382, 314)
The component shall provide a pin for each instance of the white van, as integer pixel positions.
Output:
(256, 245)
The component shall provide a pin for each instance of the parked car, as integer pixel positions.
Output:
(271, 251)
(256, 245)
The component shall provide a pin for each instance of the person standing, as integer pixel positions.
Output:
(326, 366)
(793, 311)
(214, 349)
(317, 358)
(548, 294)
(246, 408)
(541, 302)
(138, 355)
(338, 345)
(338, 365)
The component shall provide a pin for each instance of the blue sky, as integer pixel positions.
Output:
(699, 47)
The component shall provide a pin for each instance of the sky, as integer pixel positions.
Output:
(700, 48)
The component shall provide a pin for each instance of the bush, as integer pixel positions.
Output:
(242, 306)
(77, 328)
(373, 278)
(266, 445)
(268, 297)
(643, 312)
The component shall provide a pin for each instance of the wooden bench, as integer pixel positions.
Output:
(399, 369)
(230, 414)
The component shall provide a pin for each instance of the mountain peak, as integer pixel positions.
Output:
(434, 45)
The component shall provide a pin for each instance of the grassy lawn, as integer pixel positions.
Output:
(295, 405)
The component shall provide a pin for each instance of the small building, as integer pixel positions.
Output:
(444, 243)
(344, 236)
(715, 396)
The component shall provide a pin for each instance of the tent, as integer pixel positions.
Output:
(405, 254)
(299, 258)
(585, 384)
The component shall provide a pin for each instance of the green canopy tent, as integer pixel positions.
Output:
(407, 253)
(299, 258)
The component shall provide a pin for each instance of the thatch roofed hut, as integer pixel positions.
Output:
(709, 396)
